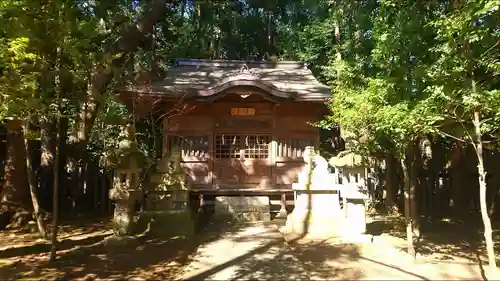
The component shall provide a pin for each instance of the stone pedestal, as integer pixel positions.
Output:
(317, 208)
(167, 201)
(317, 212)
(167, 223)
(168, 190)
(124, 211)
(355, 211)
(356, 215)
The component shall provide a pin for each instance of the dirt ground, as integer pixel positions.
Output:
(83, 255)
(449, 250)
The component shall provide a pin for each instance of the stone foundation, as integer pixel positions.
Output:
(356, 216)
(317, 213)
(244, 208)
(174, 201)
(166, 223)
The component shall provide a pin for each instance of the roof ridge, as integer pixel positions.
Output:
(240, 63)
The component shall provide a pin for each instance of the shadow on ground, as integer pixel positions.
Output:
(444, 241)
(150, 256)
(44, 247)
(260, 252)
(225, 250)
(448, 238)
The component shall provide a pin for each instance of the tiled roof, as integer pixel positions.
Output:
(203, 78)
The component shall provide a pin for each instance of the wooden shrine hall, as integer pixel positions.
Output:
(247, 126)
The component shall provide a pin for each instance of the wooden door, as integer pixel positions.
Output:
(242, 160)
(227, 163)
(256, 160)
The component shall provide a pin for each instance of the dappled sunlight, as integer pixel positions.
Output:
(225, 250)
(376, 261)
(148, 257)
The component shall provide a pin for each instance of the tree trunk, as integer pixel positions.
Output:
(435, 166)
(47, 147)
(408, 207)
(104, 71)
(55, 199)
(482, 194)
(38, 214)
(103, 74)
(15, 195)
(390, 183)
(456, 177)
(414, 171)
(65, 187)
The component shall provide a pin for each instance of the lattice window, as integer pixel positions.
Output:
(257, 146)
(292, 148)
(191, 146)
(227, 146)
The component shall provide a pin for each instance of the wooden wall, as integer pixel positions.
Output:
(205, 131)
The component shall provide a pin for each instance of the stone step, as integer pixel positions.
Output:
(245, 208)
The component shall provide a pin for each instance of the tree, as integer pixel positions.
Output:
(465, 84)
(18, 101)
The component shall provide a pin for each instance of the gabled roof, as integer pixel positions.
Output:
(208, 78)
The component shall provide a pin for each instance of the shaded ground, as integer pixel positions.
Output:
(443, 239)
(15, 238)
(330, 260)
(225, 251)
(86, 256)
(259, 253)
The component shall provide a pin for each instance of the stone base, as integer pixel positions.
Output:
(115, 243)
(175, 201)
(318, 224)
(244, 208)
(166, 223)
(356, 216)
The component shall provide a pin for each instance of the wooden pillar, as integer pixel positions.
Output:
(283, 212)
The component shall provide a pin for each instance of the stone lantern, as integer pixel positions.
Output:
(352, 182)
(127, 161)
(170, 182)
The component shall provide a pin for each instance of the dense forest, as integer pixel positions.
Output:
(415, 86)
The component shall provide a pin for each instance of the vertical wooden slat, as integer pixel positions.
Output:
(283, 204)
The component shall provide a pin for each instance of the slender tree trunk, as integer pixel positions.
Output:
(482, 194)
(390, 183)
(38, 214)
(55, 204)
(456, 174)
(64, 179)
(407, 207)
(47, 147)
(414, 169)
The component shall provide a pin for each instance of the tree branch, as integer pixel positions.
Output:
(105, 70)
(452, 136)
